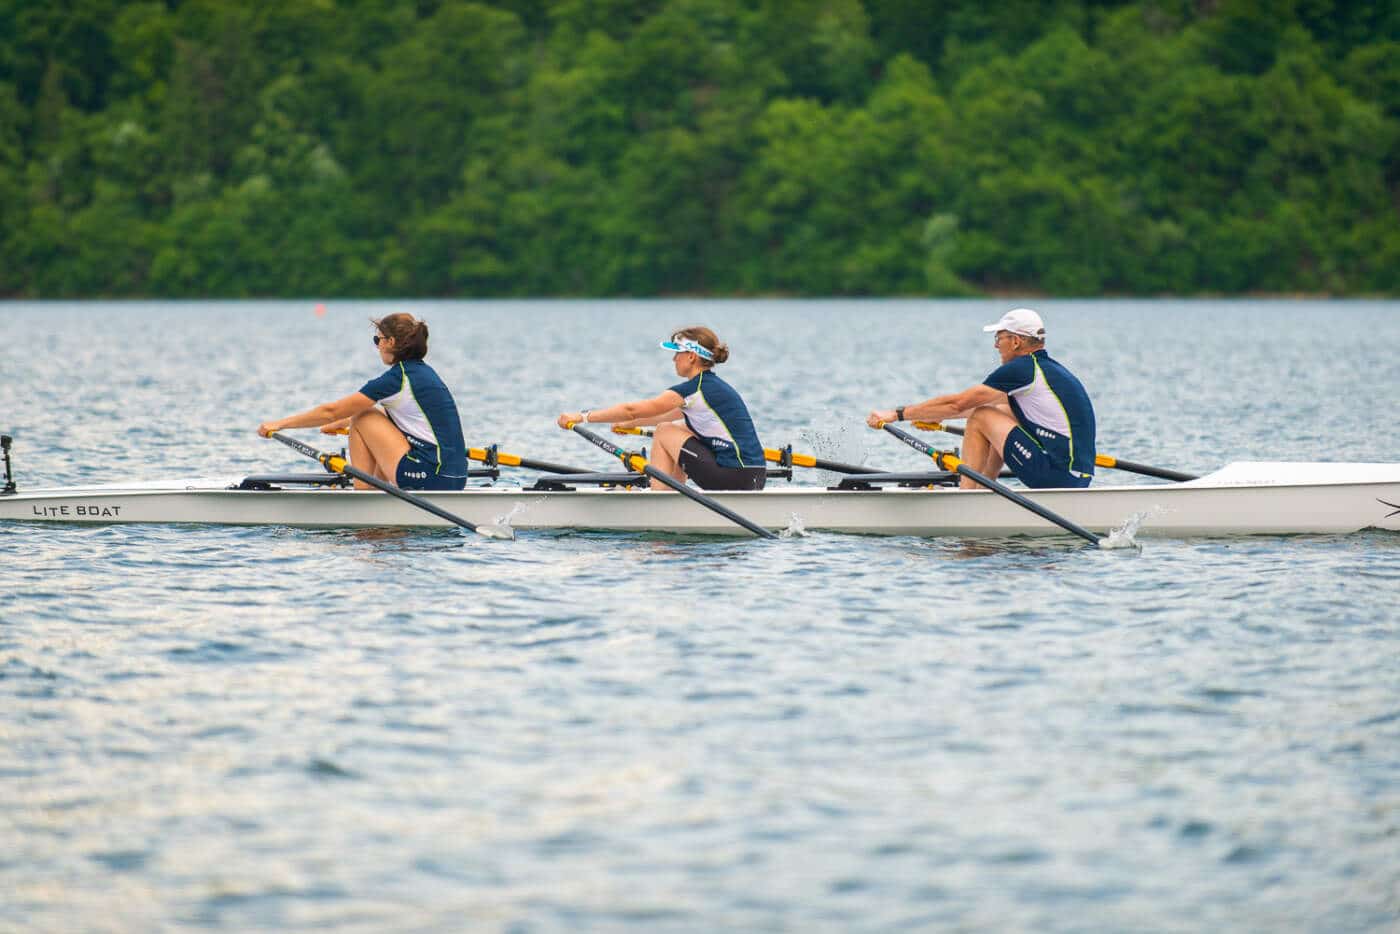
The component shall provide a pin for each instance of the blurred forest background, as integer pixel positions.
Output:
(417, 148)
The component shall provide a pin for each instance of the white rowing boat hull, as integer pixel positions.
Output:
(1241, 499)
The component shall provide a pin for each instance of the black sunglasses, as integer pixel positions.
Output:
(378, 338)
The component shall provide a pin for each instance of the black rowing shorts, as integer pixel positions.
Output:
(698, 462)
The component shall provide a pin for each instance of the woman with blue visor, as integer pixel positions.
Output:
(703, 429)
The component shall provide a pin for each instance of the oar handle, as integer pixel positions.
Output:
(951, 462)
(332, 462)
(917, 444)
(632, 460)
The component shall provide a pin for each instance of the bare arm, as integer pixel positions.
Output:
(662, 405)
(941, 408)
(670, 416)
(323, 414)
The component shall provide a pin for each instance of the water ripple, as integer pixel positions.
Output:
(256, 728)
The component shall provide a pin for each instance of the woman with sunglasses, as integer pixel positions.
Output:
(703, 428)
(415, 440)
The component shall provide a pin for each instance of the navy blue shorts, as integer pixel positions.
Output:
(414, 474)
(1033, 467)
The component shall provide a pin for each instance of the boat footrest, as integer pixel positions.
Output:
(276, 481)
(872, 481)
(273, 481)
(566, 482)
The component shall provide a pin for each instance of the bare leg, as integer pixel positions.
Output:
(987, 428)
(666, 446)
(376, 446)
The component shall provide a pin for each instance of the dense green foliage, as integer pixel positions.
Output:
(647, 147)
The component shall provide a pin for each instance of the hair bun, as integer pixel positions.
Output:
(410, 335)
(721, 353)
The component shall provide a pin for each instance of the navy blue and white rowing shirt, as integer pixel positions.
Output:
(419, 404)
(1053, 408)
(718, 417)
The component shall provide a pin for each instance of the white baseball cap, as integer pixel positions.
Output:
(1022, 321)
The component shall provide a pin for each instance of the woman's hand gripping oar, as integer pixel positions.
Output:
(337, 464)
(1101, 460)
(638, 463)
(774, 456)
(947, 461)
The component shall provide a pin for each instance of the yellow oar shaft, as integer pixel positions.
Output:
(515, 460)
(774, 456)
(1100, 460)
(798, 460)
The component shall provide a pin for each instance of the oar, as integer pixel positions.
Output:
(337, 464)
(775, 456)
(510, 460)
(1101, 460)
(515, 460)
(949, 462)
(639, 463)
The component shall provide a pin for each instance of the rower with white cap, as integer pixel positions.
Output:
(704, 432)
(1030, 413)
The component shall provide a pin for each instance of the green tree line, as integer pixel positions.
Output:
(362, 148)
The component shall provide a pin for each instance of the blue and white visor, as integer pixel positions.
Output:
(686, 345)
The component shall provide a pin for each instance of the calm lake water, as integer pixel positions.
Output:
(238, 728)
